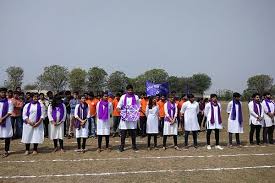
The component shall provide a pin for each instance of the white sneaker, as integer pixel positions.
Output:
(218, 147)
(208, 147)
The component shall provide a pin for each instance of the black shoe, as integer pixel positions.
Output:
(121, 149)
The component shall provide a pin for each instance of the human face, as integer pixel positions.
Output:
(16, 96)
(130, 91)
(35, 98)
(163, 98)
(83, 99)
(154, 101)
(268, 97)
(172, 99)
(192, 99)
(238, 98)
(3, 94)
(257, 98)
(214, 99)
(105, 97)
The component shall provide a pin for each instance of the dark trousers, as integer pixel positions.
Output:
(268, 134)
(161, 125)
(200, 118)
(107, 139)
(155, 139)
(143, 120)
(7, 144)
(60, 143)
(195, 137)
(83, 143)
(251, 134)
(133, 133)
(237, 138)
(28, 146)
(175, 137)
(116, 120)
(17, 126)
(46, 129)
(217, 136)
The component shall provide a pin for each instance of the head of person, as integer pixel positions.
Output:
(10, 94)
(157, 97)
(171, 98)
(75, 94)
(163, 98)
(151, 102)
(50, 94)
(206, 100)
(130, 89)
(35, 97)
(184, 97)
(214, 98)
(256, 97)
(57, 100)
(28, 96)
(236, 96)
(16, 94)
(143, 95)
(105, 96)
(191, 97)
(267, 95)
(91, 95)
(41, 96)
(3, 92)
(82, 99)
(118, 95)
(68, 94)
(18, 88)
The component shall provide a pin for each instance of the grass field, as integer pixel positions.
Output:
(245, 164)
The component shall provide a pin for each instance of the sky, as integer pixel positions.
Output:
(230, 40)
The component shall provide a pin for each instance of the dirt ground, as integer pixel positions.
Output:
(237, 164)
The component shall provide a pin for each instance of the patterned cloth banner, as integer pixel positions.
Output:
(153, 89)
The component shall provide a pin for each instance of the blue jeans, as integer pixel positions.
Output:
(17, 126)
(92, 126)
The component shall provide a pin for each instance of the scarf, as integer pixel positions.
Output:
(212, 119)
(82, 114)
(59, 108)
(233, 113)
(38, 110)
(256, 108)
(103, 110)
(267, 101)
(4, 109)
(128, 95)
(171, 107)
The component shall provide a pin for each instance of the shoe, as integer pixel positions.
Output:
(78, 150)
(26, 153)
(149, 149)
(55, 150)
(208, 147)
(62, 150)
(218, 147)
(6, 154)
(34, 152)
(229, 145)
(121, 149)
(135, 149)
(164, 148)
(98, 150)
(177, 148)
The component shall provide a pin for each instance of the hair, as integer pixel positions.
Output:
(190, 96)
(255, 94)
(150, 102)
(129, 86)
(35, 94)
(76, 92)
(213, 95)
(118, 94)
(67, 92)
(266, 93)
(49, 93)
(10, 91)
(56, 100)
(41, 94)
(236, 95)
(16, 93)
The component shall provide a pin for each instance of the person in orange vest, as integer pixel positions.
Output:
(143, 118)
(116, 114)
(160, 104)
(92, 102)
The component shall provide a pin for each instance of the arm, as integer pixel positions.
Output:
(251, 110)
(50, 110)
(10, 110)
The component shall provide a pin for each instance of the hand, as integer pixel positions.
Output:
(36, 125)
(1, 120)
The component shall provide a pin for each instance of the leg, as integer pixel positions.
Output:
(71, 127)
(217, 136)
(155, 140)
(61, 144)
(230, 138)
(84, 144)
(55, 143)
(46, 129)
(28, 146)
(175, 137)
(195, 138)
(89, 126)
(186, 134)
(149, 139)
(93, 127)
(251, 133)
(13, 125)
(164, 140)
(122, 138)
(265, 134)
(133, 134)
(35, 146)
(238, 138)
(107, 139)
(7, 144)
(270, 134)
(99, 139)
(208, 134)
(78, 143)
(258, 129)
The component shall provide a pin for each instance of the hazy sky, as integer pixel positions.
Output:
(230, 40)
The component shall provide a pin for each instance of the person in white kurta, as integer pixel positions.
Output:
(190, 111)
(130, 124)
(33, 129)
(269, 111)
(152, 129)
(214, 122)
(170, 122)
(235, 122)
(103, 120)
(81, 114)
(6, 109)
(56, 126)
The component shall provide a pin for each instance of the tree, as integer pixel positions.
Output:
(260, 83)
(117, 81)
(15, 77)
(77, 79)
(97, 79)
(225, 94)
(156, 75)
(54, 78)
(201, 82)
(30, 87)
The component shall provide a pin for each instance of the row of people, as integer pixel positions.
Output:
(261, 114)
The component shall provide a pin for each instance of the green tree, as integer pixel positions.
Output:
(117, 81)
(30, 87)
(201, 82)
(15, 77)
(54, 78)
(260, 83)
(77, 79)
(97, 79)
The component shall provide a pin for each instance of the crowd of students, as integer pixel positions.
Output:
(33, 116)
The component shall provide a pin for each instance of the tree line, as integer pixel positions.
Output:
(58, 78)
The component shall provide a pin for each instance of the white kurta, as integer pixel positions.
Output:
(33, 135)
(124, 125)
(152, 120)
(6, 132)
(207, 113)
(268, 122)
(168, 128)
(253, 116)
(190, 111)
(82, 132)
(104, 127)
(234, 125)
(56, 132)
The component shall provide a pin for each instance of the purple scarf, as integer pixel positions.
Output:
(38, 110)
(59, 108)
(103, 113)
(82, 114)
(212, 120)
(256, 108)
(4, 109)
(134, 101)
(267, 101)
(233, 114)
(170, 108)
